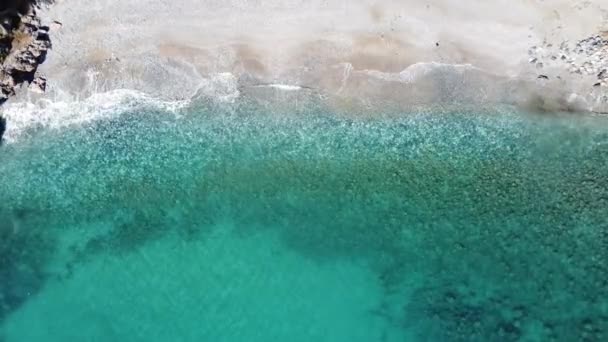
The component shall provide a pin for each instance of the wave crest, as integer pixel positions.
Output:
(24, 118)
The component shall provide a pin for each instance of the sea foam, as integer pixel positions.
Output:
(25, 117)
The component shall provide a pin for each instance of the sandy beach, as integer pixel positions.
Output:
(407, 52)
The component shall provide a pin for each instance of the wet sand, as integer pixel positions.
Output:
(475, 53)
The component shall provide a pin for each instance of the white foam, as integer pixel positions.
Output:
(25, 117)
(285, 87)
(418, 70)
(221, 86)
(65, 111)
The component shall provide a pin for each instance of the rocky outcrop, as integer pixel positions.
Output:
(585, 61)
(586, 57)
(24, 43)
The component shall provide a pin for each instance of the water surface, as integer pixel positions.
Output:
(233, 223)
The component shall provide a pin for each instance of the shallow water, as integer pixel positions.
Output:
(234, 223)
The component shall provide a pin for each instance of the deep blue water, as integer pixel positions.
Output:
(231, 223)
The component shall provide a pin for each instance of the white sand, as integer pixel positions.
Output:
(337, 47)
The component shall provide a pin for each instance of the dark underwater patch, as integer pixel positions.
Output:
(505, 222)
(24, 252)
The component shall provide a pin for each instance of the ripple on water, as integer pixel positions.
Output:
(230, 223)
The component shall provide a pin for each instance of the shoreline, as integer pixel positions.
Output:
(348, 51)
(404, 54)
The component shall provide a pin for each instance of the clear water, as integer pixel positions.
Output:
(233, 223)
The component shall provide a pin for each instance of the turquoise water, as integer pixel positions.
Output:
(235, 223)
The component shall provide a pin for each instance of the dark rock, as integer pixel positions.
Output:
(22, 6)
(23, 49)
(24, 43)
(2, 126)
(544, 77)
(56, 25)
